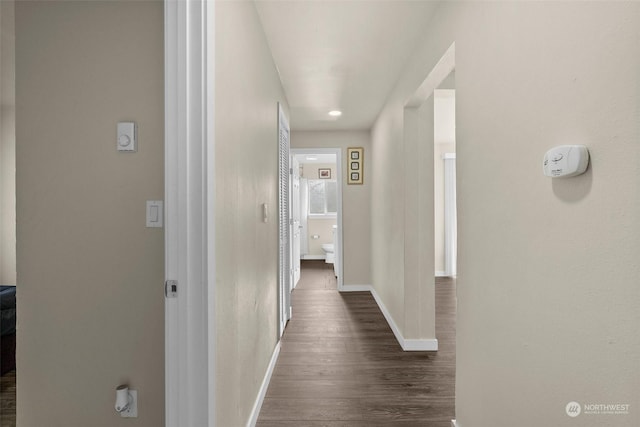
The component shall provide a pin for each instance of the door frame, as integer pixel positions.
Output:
(285, 272)
(189, 208)
(339, 252)
(450, 215)
(294, 196)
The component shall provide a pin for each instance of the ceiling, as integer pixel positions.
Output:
(341, 55)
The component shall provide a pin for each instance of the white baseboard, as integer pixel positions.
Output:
(263, 387)
(454, 423)
(441, 274)
(356, 288)
(312, 257)
(428, 344)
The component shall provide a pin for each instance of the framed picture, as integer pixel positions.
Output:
(356, 165)
(324, 173)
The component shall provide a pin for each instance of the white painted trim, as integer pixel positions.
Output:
(427, 344)
(357, 288)
(450, 217)
(189, 231)
(312, 257)
(210, 206)
(441, 274)
(454, 423)
(255, 412)
(339, 250)
(387, 315)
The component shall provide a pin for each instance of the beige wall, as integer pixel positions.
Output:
(387, 211)
(310, 170)
(7, 146)
(356, 200)
(418, 303)
(90, 303)
(547, 270)
(247, 92)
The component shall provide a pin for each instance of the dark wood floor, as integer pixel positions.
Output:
(8, 399)
(340, 364)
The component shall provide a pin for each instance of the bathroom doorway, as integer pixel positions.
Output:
(316, 210)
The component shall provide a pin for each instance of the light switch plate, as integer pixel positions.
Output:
(127, 137)
(155, 211)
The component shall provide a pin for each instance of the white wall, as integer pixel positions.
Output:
(7, 146)
(548, 269)
(90, 299)
(322, 227)
(356, 200)
(247, 92)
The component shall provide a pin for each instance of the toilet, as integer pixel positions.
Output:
(329, 256)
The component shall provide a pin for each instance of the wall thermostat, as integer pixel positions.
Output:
(127, 136)
(565, 161)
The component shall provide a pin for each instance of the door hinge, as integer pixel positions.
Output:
(171, 289)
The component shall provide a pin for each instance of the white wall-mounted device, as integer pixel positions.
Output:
(565, 161)
(126, 402)
(127, 137)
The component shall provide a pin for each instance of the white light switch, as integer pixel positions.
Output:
(127, 137)
(154, 213)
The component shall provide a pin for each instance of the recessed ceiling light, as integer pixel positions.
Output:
(335, 113)
(312, 158)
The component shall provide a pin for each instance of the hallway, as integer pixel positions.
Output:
(340, 364)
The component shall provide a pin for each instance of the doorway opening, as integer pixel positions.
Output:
(444, 179)
(316, 209)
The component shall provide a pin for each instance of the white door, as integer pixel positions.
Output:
(284, 255)
(295, 220)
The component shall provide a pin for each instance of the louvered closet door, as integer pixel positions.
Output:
(283, 221)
